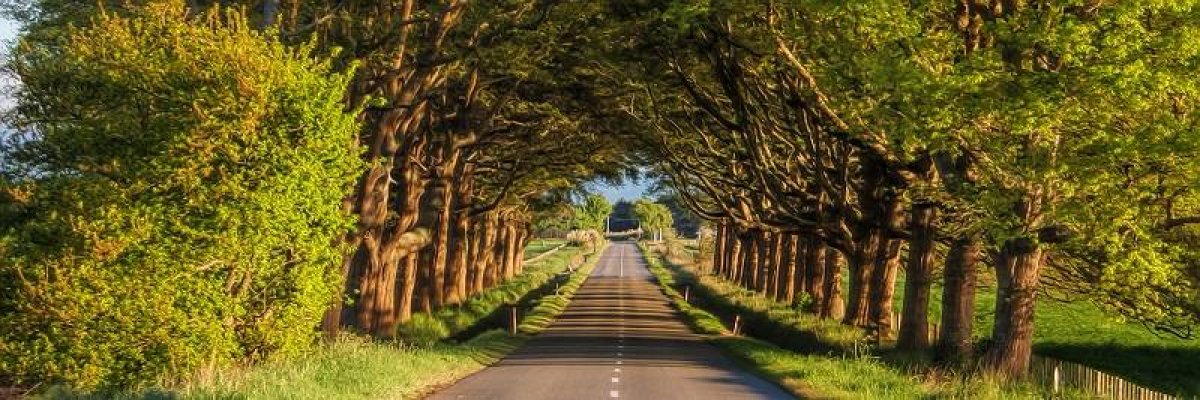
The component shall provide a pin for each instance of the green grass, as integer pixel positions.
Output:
(539, 246)
(550, 306)
(489, 310)
(351, 368)
(359, 369)
(1079, 331)
(811, 357)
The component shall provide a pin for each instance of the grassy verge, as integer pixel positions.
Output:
(550, 306)
(489, 310)
(361, 369)
(813, 358)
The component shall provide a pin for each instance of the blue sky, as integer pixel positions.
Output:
(8, 29)
(629, 190)
(8, 32)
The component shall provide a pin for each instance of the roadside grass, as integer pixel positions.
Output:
(489, 310)
(360, 368)
(363, 369)
(550, 306)
(813, 358)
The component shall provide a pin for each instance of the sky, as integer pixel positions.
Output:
(629, 190)
(8, 32)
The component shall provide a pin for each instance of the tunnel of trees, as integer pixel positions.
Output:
(1042, 143)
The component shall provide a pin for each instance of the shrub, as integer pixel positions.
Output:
(171, 202)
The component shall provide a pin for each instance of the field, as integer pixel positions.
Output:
(539, 246)
(1076, 330)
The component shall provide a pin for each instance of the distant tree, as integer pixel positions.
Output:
(622, 218)
(653, 217)
(593, 212)
(684, 220)
(552, 215)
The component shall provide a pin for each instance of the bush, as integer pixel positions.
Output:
(172, 203)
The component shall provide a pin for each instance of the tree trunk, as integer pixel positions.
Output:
(459, 249)
(518, 252)
(748, 257)
(815, 274)
(443, 190)
(883, 289)
(958, 300)
(862, 263)
(1017, 282)
(734, 259)
(510, 247)
(756, 263)
(406, 288)
(496, 262)
(790, 254)
(833, 307)
(770, 282)
(914, 326)
(718, 257)
(459, 244)
(803, 258)
(887, 266)
(484, 235)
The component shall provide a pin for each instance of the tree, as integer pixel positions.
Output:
(988, 125)
(592, 213)
(653, 217)
(176, 186)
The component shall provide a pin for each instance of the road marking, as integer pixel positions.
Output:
(621, 263)
(618, 362)
(615, 379)
(613, 394)
(617, 370)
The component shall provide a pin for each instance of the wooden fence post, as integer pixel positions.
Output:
(1057, 379)
(512, 320)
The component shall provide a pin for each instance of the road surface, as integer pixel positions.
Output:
(618, 339)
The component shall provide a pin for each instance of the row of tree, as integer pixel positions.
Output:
(231, 171)
(1052, 141)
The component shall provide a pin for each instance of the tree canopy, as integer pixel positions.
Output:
(239, 170)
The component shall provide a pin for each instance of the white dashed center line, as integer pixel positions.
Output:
(613, 394)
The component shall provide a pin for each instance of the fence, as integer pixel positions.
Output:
(545, 254)
(1058, 374)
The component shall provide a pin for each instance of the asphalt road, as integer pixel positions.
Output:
(618, 338)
